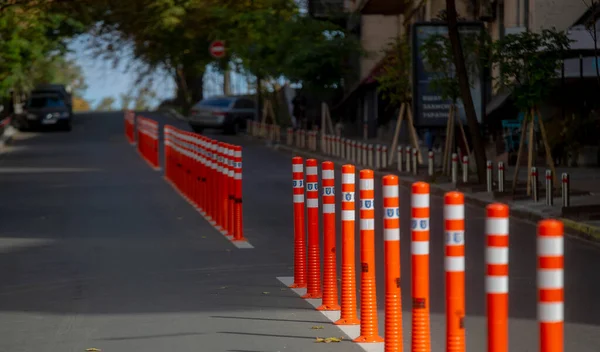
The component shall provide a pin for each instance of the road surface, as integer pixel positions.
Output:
(98, 251)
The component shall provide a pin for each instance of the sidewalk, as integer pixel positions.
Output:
(585, 193)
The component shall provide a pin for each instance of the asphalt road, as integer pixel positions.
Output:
(101, 252)
(98, 251)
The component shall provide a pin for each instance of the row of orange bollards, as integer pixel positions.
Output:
(307, 269)
(130, 126)
(147, 140)
(209, 174)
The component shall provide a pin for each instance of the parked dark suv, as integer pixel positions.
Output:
(48, 105)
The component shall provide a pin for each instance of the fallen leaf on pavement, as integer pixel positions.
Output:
(328, 339)
(93, 350)
(317, 327)
(266, 293)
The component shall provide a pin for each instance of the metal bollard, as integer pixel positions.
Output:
(500, 176)
(489, 169)
(384, 156)
(566, 198)
(415, 158)
(377, 157)
(430, 163)
(549, 196)
(454, 168)
(407, 156)
(400, 152)
(534, 184)
(465, 168)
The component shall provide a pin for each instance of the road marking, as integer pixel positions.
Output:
(237, 244)
(352, 331)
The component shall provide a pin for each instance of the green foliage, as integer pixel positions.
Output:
(395, 82)
(528, 62)
(272, 39)
(106, 104)
(33, 38)
(439, 59)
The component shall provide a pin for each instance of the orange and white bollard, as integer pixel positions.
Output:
(299, 223)
(550, 271)
(391, 238)
(348, 307)
(420, 215)
(454, 227)
(230, 191)
(238, 230)
(496, 278)
(369, 331)
(330, 290)
(313, 289)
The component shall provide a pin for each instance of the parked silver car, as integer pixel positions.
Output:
(227, 113)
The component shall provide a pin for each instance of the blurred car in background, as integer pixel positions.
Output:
(227, 113)
(47, 105)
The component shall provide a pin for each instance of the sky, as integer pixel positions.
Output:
(103, 80)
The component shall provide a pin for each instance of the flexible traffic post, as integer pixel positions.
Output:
(194, 169)
(391, 238)
(299, 223)
(549, 188)
(348, 286)
(566, 197)
(465, 168)
(430, 161)
(231, 193)
(454, 227)
(313, 289)
(415, 160)
(454, 168)
(369, 330)
(202, 188)
(167, 134)
(500, 176)
(384, 157)
(238, 234)
(550, 272)
(489, 168)
(213, 185)
(420, 214)
(534, 184)
(399, 153)
(407, 155)
(330, 290)
(496, 276)
(225, 187)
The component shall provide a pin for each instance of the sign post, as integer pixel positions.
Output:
(217, 49)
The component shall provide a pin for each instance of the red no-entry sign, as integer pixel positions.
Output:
(217, 49)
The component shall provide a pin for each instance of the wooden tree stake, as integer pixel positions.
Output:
(521, 143)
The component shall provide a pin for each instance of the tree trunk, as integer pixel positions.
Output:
(190, 87)
(465, 90)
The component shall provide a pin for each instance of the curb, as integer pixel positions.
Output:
(574, 228)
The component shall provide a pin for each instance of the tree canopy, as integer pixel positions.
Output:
(267, 38)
